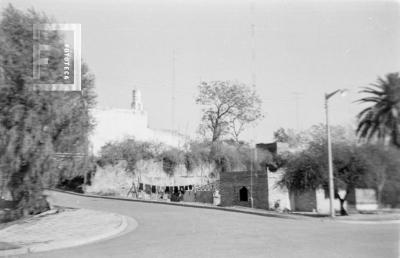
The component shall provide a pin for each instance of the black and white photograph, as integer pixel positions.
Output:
(200, 128)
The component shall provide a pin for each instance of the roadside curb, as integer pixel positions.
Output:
(125, 223)
(369, 222)
(18, 251)
(255, 212)
(228, 209)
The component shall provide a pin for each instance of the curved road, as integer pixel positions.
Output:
(173, 231)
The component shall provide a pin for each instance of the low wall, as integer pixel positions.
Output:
(366, 199)
(204, 197)
(303, 201)
(323, 204)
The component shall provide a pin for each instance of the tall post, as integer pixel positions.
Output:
(86, 146)
(253, 81)
(328, 132)
(251, 184)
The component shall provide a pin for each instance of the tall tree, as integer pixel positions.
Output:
(307, 169)
(227, 108)
(367, 165)
(381, 119)
(33, 124)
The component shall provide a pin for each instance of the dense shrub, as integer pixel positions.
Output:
(171, 158)
(111, 180)
(129, 150)
(232, 157)
(190, 161)
(200, 151)
(34, 125)
(75, 184)
(226, 156)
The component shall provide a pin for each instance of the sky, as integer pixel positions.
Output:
(303, 49)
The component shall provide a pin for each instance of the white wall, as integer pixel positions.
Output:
(117, 124)
(277, 193)
(323, 206)
(366, 199)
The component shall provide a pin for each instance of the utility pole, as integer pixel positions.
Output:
(173, 92)
(328, 135)
(330, 166)
(253, 80)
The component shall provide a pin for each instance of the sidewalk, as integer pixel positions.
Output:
(52, 230)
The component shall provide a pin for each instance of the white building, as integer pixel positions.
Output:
(118, 124)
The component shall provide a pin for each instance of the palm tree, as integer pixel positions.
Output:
(381, 120)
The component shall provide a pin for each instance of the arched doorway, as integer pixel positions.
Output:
(243, 194)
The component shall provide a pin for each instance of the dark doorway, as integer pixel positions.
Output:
(243, 194)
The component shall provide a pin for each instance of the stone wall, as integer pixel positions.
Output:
(231, 184)
(204, 197)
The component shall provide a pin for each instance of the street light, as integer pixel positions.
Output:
(328, 133)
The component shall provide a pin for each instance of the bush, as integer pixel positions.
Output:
(231, 157)
(200, 151)
(190, 161)
(129, 150)
(111, 180)
(75, 184)
(171, 158)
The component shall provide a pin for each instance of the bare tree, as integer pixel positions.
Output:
(227, 108)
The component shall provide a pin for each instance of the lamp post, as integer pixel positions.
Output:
(330, 165)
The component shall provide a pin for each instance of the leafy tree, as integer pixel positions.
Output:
(307, 169)
(280, 135)
(227, 108)
(33, 124)
(314, 134)
(355, 166)
(381, 119)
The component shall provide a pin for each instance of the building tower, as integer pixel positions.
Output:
(136, 104)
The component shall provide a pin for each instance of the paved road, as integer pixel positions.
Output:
(172, 231)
